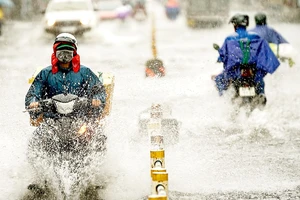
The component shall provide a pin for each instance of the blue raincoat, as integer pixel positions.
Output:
(269, 34)
(245, 47)
(84, 83)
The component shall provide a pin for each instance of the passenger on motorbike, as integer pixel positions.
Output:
(269, 34)
(242, 49)
(265, 31)
(66, 75)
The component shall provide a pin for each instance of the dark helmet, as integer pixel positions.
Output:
(260, 19)
(240, 20)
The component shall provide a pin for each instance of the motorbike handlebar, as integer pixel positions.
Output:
(216, 46)
(48, 104)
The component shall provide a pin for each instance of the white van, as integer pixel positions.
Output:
(72, 16)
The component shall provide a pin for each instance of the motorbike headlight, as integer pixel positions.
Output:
(64, 108)
(82, 130)
(50, 22)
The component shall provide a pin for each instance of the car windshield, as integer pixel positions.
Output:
(109, 5)
(207, 6)
(68, 5)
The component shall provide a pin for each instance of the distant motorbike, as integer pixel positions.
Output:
(61, 148)
(139, 11)
(172, 9)
(245, 88)
(172, 12)
(155, 68)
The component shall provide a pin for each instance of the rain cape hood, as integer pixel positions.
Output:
(54, 61)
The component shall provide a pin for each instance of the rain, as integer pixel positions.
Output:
(220, 153)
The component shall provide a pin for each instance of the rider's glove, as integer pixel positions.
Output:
(96, 102)
(34, 105)
(282, 59)
(291, 62)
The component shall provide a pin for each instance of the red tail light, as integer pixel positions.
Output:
(246, 72)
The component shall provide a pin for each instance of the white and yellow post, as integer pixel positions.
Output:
(157, 197)
(159, 186)
(154, 128)
(159, 175)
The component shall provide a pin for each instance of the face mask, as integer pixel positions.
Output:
(64, 56)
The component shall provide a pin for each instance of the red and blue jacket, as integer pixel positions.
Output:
(77, 79)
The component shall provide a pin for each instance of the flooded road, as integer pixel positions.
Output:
(217, 157)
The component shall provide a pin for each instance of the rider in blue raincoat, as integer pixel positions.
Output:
(66, 75)
(265, 31)
(242, 48)
(270, 35)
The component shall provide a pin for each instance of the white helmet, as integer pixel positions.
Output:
(66, 37)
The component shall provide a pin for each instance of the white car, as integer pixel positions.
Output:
(72, 16)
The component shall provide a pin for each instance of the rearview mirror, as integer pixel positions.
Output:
(216, 47)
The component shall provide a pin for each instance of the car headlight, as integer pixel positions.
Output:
(85, 21)
(50, 22)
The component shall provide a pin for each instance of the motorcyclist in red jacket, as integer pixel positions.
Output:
(65, 75)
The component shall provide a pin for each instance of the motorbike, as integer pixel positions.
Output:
(64, 147)
(139, 11)
(172, 12)
(245, 88)
(155, 68)
(172, 9)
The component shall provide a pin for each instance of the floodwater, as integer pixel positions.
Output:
(217, 157)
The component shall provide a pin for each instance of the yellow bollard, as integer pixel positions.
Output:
(159, 184)
(157, 170)
(157, 197)
(157, 158)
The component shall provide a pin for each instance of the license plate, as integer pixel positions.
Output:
(247, 91)
(69, 29)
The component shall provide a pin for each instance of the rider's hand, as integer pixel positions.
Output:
(96, 102)
(213, 77)
(34, 105)
(282, 59)
(291, 62)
